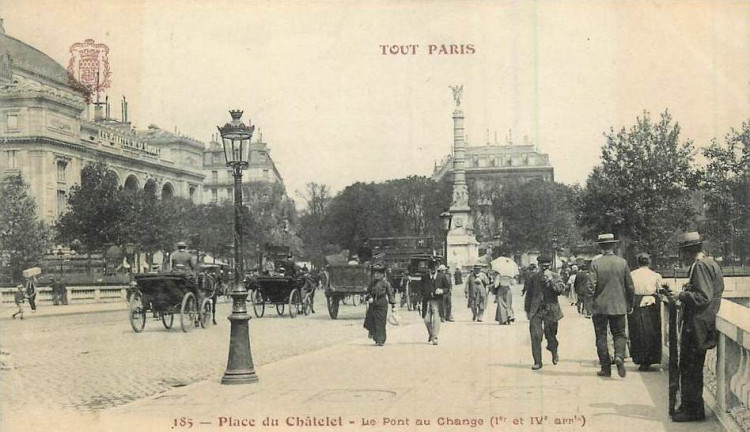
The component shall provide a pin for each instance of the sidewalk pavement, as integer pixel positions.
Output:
(46, 310)
(478, 378)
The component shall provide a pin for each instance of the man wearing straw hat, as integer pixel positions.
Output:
(700, 298)
(543, 310)
(611, 291)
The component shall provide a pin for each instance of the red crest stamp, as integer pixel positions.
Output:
(89, 65)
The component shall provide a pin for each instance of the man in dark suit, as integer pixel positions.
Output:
(543, 309)
(700, 298)
(611, 291)
(433, 289)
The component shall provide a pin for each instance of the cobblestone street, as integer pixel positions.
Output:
(95, 361)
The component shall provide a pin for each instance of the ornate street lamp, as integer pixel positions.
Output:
(59, 252)
(235, 137)
(446, 217)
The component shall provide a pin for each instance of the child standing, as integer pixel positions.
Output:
(19, 297)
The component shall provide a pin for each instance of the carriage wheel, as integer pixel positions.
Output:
(206, 313)
(137, 314)
(259, 305)
(295, 303)
(407, 293)
(167, 318)
(188, 312)
(280, 308)
(333, 306)
(355, 299)
(307, 304)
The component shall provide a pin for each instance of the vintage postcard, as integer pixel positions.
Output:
(374, 215)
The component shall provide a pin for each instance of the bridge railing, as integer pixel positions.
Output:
(726, 374)
(76, 294)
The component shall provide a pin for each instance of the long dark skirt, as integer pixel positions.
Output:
(504, 300)
(644, 328)
(375, 320)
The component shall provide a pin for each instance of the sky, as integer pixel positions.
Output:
(334, 109)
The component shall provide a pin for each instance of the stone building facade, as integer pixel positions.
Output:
(492, 167)
(47, 135)
(219, 184)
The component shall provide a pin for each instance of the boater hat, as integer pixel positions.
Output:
(606, 238)
(690, 239)
(181, 244)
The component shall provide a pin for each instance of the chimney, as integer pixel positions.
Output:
(106, 105)
(124, 110)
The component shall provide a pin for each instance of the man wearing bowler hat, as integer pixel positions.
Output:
(700, 298)
(611, 291)
(543, 309)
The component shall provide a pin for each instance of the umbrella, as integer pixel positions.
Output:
(505, 266)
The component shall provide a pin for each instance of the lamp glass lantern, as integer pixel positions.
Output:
(446, 218)
(235, 138)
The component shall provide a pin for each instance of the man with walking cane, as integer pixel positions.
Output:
(699, 299)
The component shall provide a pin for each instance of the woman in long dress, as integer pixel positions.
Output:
(504, 300)
(644, 324)
(379, 296)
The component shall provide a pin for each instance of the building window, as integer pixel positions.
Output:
(12, 159)
(61, 171)
(214, 176)
(214, 195)
(61, 202)
(191, 193)
(262, 157)
(266, 174)
(229, 193)
(217, 158)
(12, 120)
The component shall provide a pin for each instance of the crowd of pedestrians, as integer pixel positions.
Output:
(623, 306)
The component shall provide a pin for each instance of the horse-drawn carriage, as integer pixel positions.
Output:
(346, 281)
(295, 292)
(164, 295)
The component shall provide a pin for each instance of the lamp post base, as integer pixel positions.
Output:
(240, 369)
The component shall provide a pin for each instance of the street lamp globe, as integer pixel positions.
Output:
(446, 218)
(235, 137)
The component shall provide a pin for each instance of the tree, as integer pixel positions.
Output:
(725, 184)
(641, 189)
(535, 213)
(23, 236)
(313, 220)
(97, 213)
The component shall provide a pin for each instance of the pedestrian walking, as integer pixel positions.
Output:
(581, 287)
(55, 292)
(448, 295)
(644, 324)
(476, 292)
(434, 287)
(543, 310)
(504, 299)
(31, 292)
(700, 299)
(18, 297)
(571, 283)
(611, 292)
(379, 296)
(530, 270)
(458, 277)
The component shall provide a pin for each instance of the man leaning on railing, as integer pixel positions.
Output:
(700, 299)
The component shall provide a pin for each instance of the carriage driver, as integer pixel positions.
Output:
(183, 261)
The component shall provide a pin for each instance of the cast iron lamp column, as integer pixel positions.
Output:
(236, 137)
(446, 218)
